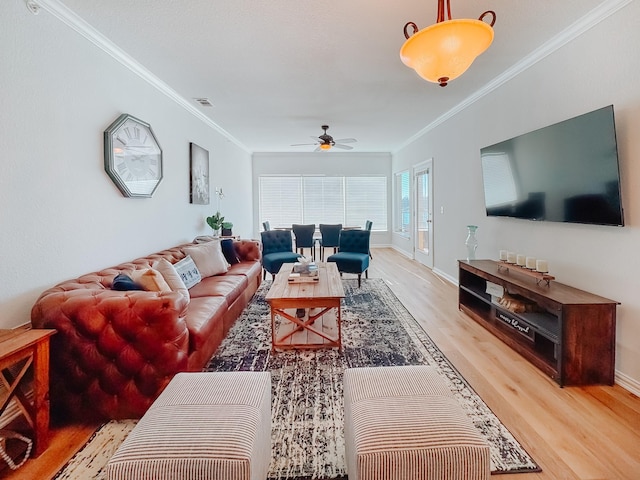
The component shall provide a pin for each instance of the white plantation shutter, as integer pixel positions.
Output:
(285, 200)
(323, 199)
(280, 200)
(366, 199)
(402, 204)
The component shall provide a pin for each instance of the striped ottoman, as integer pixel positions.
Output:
(204, 426)
(403, 423)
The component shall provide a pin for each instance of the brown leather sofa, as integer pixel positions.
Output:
(115, 351)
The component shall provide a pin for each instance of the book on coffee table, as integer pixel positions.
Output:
(303, 278)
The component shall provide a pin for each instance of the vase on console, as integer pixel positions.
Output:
(471, 242)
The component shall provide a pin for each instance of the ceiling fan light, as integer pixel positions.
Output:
(325, 146)
(445, 50)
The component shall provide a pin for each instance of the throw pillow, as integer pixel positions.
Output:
(188, 272)
(208, 258)
(228, 251)
(151, 280)
(172, 278)
(124, 282)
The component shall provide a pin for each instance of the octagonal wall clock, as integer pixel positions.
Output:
(132, 156)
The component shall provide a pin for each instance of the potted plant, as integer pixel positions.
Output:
(226, 229)
(215, 222)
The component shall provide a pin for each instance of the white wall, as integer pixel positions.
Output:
(598, 68)
(323, 163)
(60, 214)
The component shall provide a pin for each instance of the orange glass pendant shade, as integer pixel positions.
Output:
(445, 50)
(325, 146)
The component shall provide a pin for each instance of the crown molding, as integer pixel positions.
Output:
(72, 20)
(591, 19)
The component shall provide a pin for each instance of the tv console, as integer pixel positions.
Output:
(567, 333)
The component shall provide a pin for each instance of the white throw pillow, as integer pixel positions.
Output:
(188, 272)
(171, 276)
(208, 257)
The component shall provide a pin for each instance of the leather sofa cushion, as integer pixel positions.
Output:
(248, 269)
(204, 321)
(229, 286)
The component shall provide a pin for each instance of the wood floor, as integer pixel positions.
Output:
(585, 433)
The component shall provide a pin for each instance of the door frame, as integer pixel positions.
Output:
(425, 258)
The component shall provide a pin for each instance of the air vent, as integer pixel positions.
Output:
(205, 102)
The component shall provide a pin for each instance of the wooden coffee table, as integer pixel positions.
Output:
(321, 300)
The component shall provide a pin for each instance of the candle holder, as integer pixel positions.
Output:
(539, 276)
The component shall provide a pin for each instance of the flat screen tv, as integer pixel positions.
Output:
(566, 172)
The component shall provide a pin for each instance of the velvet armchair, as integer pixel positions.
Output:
(353, 253)
(277, 248)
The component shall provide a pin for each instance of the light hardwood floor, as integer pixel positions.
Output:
(586, 433)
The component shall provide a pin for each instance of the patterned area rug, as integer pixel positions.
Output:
(307, 409)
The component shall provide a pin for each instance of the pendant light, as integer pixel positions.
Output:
(445, 50)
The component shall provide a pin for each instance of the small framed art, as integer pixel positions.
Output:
(199, 175)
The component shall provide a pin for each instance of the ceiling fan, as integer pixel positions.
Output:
(326, 141)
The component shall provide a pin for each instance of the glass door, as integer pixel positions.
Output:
(423, 210)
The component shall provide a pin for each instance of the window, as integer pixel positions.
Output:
(323, 200)
(285, 200)
(280, 200)
(402, 203)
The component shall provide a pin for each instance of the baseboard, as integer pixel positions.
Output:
(402, 252)
(628, 383)
(446, 276)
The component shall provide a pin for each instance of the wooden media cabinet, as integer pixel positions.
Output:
(567, 333)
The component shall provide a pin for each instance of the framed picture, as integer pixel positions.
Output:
(199, 175)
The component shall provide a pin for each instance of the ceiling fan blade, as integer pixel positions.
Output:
(315, 139)
(318, 149)
(346, 140)
(343, 147)
(301, 144)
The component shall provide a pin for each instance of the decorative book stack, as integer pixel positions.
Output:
(304, 272)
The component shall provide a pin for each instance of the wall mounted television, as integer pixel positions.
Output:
(566, 172)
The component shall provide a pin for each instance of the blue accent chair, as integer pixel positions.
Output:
(353, 253)
(277, 248)
(329, 237)
(304, 238)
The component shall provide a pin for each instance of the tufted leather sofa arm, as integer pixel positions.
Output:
(120, 347)
(115, 351)
(248, 250)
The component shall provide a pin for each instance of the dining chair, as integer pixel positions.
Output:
(329, 237)
(353, 253)
(277, 248)
(367, 226)
(304, 238)
(266, 226)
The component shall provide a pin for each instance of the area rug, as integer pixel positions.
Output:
(307, 408)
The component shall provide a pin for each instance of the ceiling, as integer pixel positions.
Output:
(275, 71)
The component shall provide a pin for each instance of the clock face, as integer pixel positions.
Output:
(133, 157)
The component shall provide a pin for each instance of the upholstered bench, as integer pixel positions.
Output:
(403, 423)
(203, 425)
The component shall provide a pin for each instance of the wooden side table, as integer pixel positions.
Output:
(27, 348)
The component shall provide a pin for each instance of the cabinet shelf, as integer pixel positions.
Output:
(570, 336)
